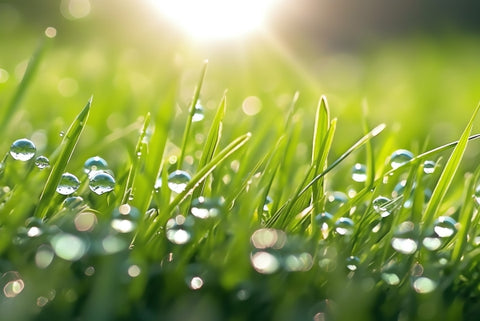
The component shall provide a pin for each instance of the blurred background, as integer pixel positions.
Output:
(413, 63)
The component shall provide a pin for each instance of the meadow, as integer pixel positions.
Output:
(141, 184)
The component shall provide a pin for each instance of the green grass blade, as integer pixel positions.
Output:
(191, 112)
(17, 97)
(448, 173)
(66, 149)
(212, 141)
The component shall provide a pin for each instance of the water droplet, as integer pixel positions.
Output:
(73, 202)
(85, 221)
(68, 246)
(432, 243)
(94, 164)
(268, 238)
(177, 230)
(267, 206)
(42, 162)
(424, 285)
(264, 262)
(344, 226)
(68, 184)
(359, 173)
(198, 114)
(178, 180)
(444, 226)
(44, 256)
(334, 201)
(195, 283)
(390, 278)
(380, 205)
(206, 207)
(404, 239)
(352, 263)
(428, 167)
(23, 149)
(125, 218)
(400, 157)
(101, 182)
(158, 183)
(14, 284)
(298, 262)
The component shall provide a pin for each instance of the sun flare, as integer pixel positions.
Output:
(216, 19)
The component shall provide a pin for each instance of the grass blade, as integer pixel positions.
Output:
(448, 173)
(66, 149)
(191, 112)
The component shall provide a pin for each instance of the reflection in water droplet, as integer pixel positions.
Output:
(125, 218)
(198, 114)
(206, 207)
(267, 206)
(344, 226)
(264, 262)
(380, 206)
(325, 222)
(428, 167)
(268, 238)
(424, 285)
(68, 184)
(68, 246)
(196, 283)
(101, 183)
(95, 163)
(177, 232)
(42, 162)
(178, 180)
(432, 243)
(444, 226)
(400, 157)
(23, 149)
(359, 172)
(73, 202)
(352, 263)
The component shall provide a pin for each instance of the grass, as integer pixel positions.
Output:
(270, 226)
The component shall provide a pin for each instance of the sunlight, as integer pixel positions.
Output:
(216, 19)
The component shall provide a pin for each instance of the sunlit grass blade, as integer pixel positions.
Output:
(191, 112)
(58, 168)
(448, 174)
(17, 97)
(199, 177)
(212, 141)
(139, 154)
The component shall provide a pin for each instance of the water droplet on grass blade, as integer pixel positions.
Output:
(264, 262)
(101, 182)
(380, 206)
(68, 184)
(68, 246)
(198, 114)
(424, 285)
(444, 226)
(125, 218)
(359, 173)
(335, 200)
(177, 230)
(23, 149)
(400, 157)
(352, 263)
(42, 162)
(344, 226)
(95, 163)
(428, 167)
(205, 207)
(178, 180)
(404, 239)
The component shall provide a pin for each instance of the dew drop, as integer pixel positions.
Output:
(428, 167)
(424, 285)
(42, 162)
(23, 149)
(198, 113)
(444, 226)
(177, 230)
(125, 218)
(178, 180)
(404, 237)
(268, 238)
(380, 206)
(335, 200)
(206, 207)
(264, 262)
(324, 221)
(352, 263)
(298, 262)
(101, 183)
(68, 246)
(359, 173)
(68, 184)
(93, 164)
(390, 278)
(432, 243)
(267, 206)
(344, 226)
(400, 157)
